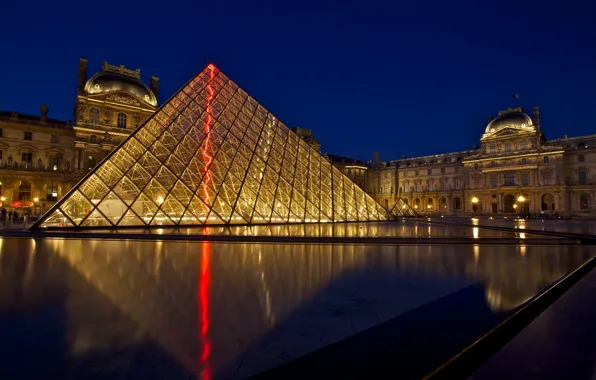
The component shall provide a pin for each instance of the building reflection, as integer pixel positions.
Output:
(206, 303)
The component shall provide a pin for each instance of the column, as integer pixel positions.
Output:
(76, 159)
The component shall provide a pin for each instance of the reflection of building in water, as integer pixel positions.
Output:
(509, 280)
(188, 297)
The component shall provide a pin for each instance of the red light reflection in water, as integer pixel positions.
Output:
(203, 302)
(206, 155)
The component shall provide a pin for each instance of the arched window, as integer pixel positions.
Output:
(524, 161)
(457, 203)
(416, 203)
(94, 117)
(507, 147)
(93, 139)
(584, 201)
(24, 191)
(546, 159)
(121, 120)
(52, 193)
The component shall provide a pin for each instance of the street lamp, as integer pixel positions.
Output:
(2, 199)
(475, 203)
(521, 199)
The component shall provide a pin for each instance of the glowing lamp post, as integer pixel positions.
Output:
(475, 201)
(2, 199)
(521, 199)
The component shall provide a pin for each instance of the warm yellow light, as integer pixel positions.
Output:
(160, 200)
(474, 200)
(429, 206)
(521, 198)
(514, 206)
(3, 199)
(35, 199)
(403, 206)
(415, 206)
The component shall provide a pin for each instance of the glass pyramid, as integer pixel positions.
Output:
(401, 208)
(212, 155)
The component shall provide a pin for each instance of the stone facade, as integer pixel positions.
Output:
(41, 159)
(109, 106)
(36, 161)
(516, 170)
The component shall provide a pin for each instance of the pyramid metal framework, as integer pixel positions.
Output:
(212, 155)
(402, 209)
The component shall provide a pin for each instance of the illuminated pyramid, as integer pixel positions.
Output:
(402, 209)
(212, 155)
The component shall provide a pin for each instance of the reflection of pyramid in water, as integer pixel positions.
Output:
(212, 155)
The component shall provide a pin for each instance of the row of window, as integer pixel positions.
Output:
(29, 136)
(94, 118)
(429, 172)
(24, 194)
(508, 146)
(442, 186)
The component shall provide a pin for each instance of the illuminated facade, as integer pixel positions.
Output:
(515, 170)
(110, 105)
(36, 156)
(212, 155)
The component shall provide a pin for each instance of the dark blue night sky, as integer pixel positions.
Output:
(414, 78)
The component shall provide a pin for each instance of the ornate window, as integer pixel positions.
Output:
(584, 201)
(443, 185)
(492, 148)
(476, 166)
(52, 193)
(546, 178)
(582, 177)
(457, 184)
(93, 139)
(509, 178)
(121, 120)
(28, 135)
(525, 178)
(546, 159)
(24, 191)
(418, 187)
(494, 178)
(457, 203)
(416, 203)
(94, 117)
(524, 161)
(406, 187)
(26, 156)
(507, 146)
(580, 158)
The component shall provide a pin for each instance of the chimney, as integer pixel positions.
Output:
(536, 117)
(82, 73)
(155, 86)
(376, 157)
(44, 113)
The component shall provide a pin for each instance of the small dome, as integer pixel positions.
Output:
(108, 82)
(515, 119)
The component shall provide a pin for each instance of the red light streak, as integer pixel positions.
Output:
(206, 155)
(204, 280)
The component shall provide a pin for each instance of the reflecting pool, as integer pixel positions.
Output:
(76, 308)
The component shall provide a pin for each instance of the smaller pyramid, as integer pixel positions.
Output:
(212, 155)
(402, 209)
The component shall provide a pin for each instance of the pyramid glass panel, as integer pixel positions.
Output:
(212, 155)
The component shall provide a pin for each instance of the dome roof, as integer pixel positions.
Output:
(107, 82)
(512, 118)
